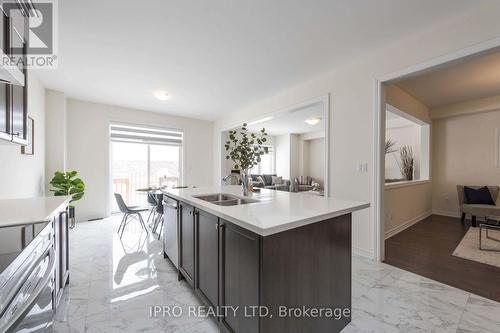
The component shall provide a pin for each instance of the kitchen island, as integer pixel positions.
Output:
(269, 262)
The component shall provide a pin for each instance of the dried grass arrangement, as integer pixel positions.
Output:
(390, 146)
(406, 162)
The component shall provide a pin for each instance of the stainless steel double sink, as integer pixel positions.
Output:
(224, 199)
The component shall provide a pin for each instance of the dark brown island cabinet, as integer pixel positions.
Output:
(297, 280)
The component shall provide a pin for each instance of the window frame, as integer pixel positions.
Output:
(182, 153)
(425, 147)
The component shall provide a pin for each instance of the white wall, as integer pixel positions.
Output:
(294, 161)
(312, 156)
(352, 104)
(466, 150)
(316, 159)
(282, 147)
(23, 176)
(55, 130)
(88, 149)
(405, 206)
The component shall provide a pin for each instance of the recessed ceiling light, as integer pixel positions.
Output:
(161, 95)
(313, 121)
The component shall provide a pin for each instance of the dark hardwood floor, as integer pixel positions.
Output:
(426, 249)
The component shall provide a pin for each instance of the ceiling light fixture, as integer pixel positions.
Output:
(313, 121)
(161, 95)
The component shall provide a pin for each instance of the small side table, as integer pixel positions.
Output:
(493, 223)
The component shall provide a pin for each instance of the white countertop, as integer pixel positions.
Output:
(30, 210)
(275, 212)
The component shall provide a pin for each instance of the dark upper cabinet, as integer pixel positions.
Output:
(18, 26)
(13, 98)
(4, 110)
(19, 113)
(3, 32)
(4, 113)
(187, 244)
(239, 276)
(18, 94)
(207, 257)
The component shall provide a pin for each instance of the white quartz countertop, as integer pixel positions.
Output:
(276, 211)
(30, 210)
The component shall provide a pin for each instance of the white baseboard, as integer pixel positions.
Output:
(363, 253)
(446, 213)
(407, 224)
(454, 214)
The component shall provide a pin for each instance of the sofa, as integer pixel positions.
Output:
(266, 181)
(476, 210)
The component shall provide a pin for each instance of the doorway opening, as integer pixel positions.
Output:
(429, 221)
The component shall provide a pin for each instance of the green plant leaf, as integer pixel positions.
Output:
(67, 184)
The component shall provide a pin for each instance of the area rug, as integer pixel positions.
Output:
(469, 247)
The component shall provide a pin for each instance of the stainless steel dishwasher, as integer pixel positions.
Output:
(170, 216)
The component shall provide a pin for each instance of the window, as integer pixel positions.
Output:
(266, 165)
(407, 147)
(143, 157)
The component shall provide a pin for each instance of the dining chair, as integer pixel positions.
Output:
(152, 202)
(159, 215)
(129, 211)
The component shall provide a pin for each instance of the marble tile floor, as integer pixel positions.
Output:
(113, 284)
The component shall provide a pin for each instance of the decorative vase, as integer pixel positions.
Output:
(244, 181)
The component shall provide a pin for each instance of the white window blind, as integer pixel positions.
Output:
(145, 134)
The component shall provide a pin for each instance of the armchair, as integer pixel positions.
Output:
(477, 209)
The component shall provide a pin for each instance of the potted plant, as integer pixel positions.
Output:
(66, 183)
(245, 150)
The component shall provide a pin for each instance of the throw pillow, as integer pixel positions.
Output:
(260, 179)
(480, 196)
(276, 180)
(268, 180)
